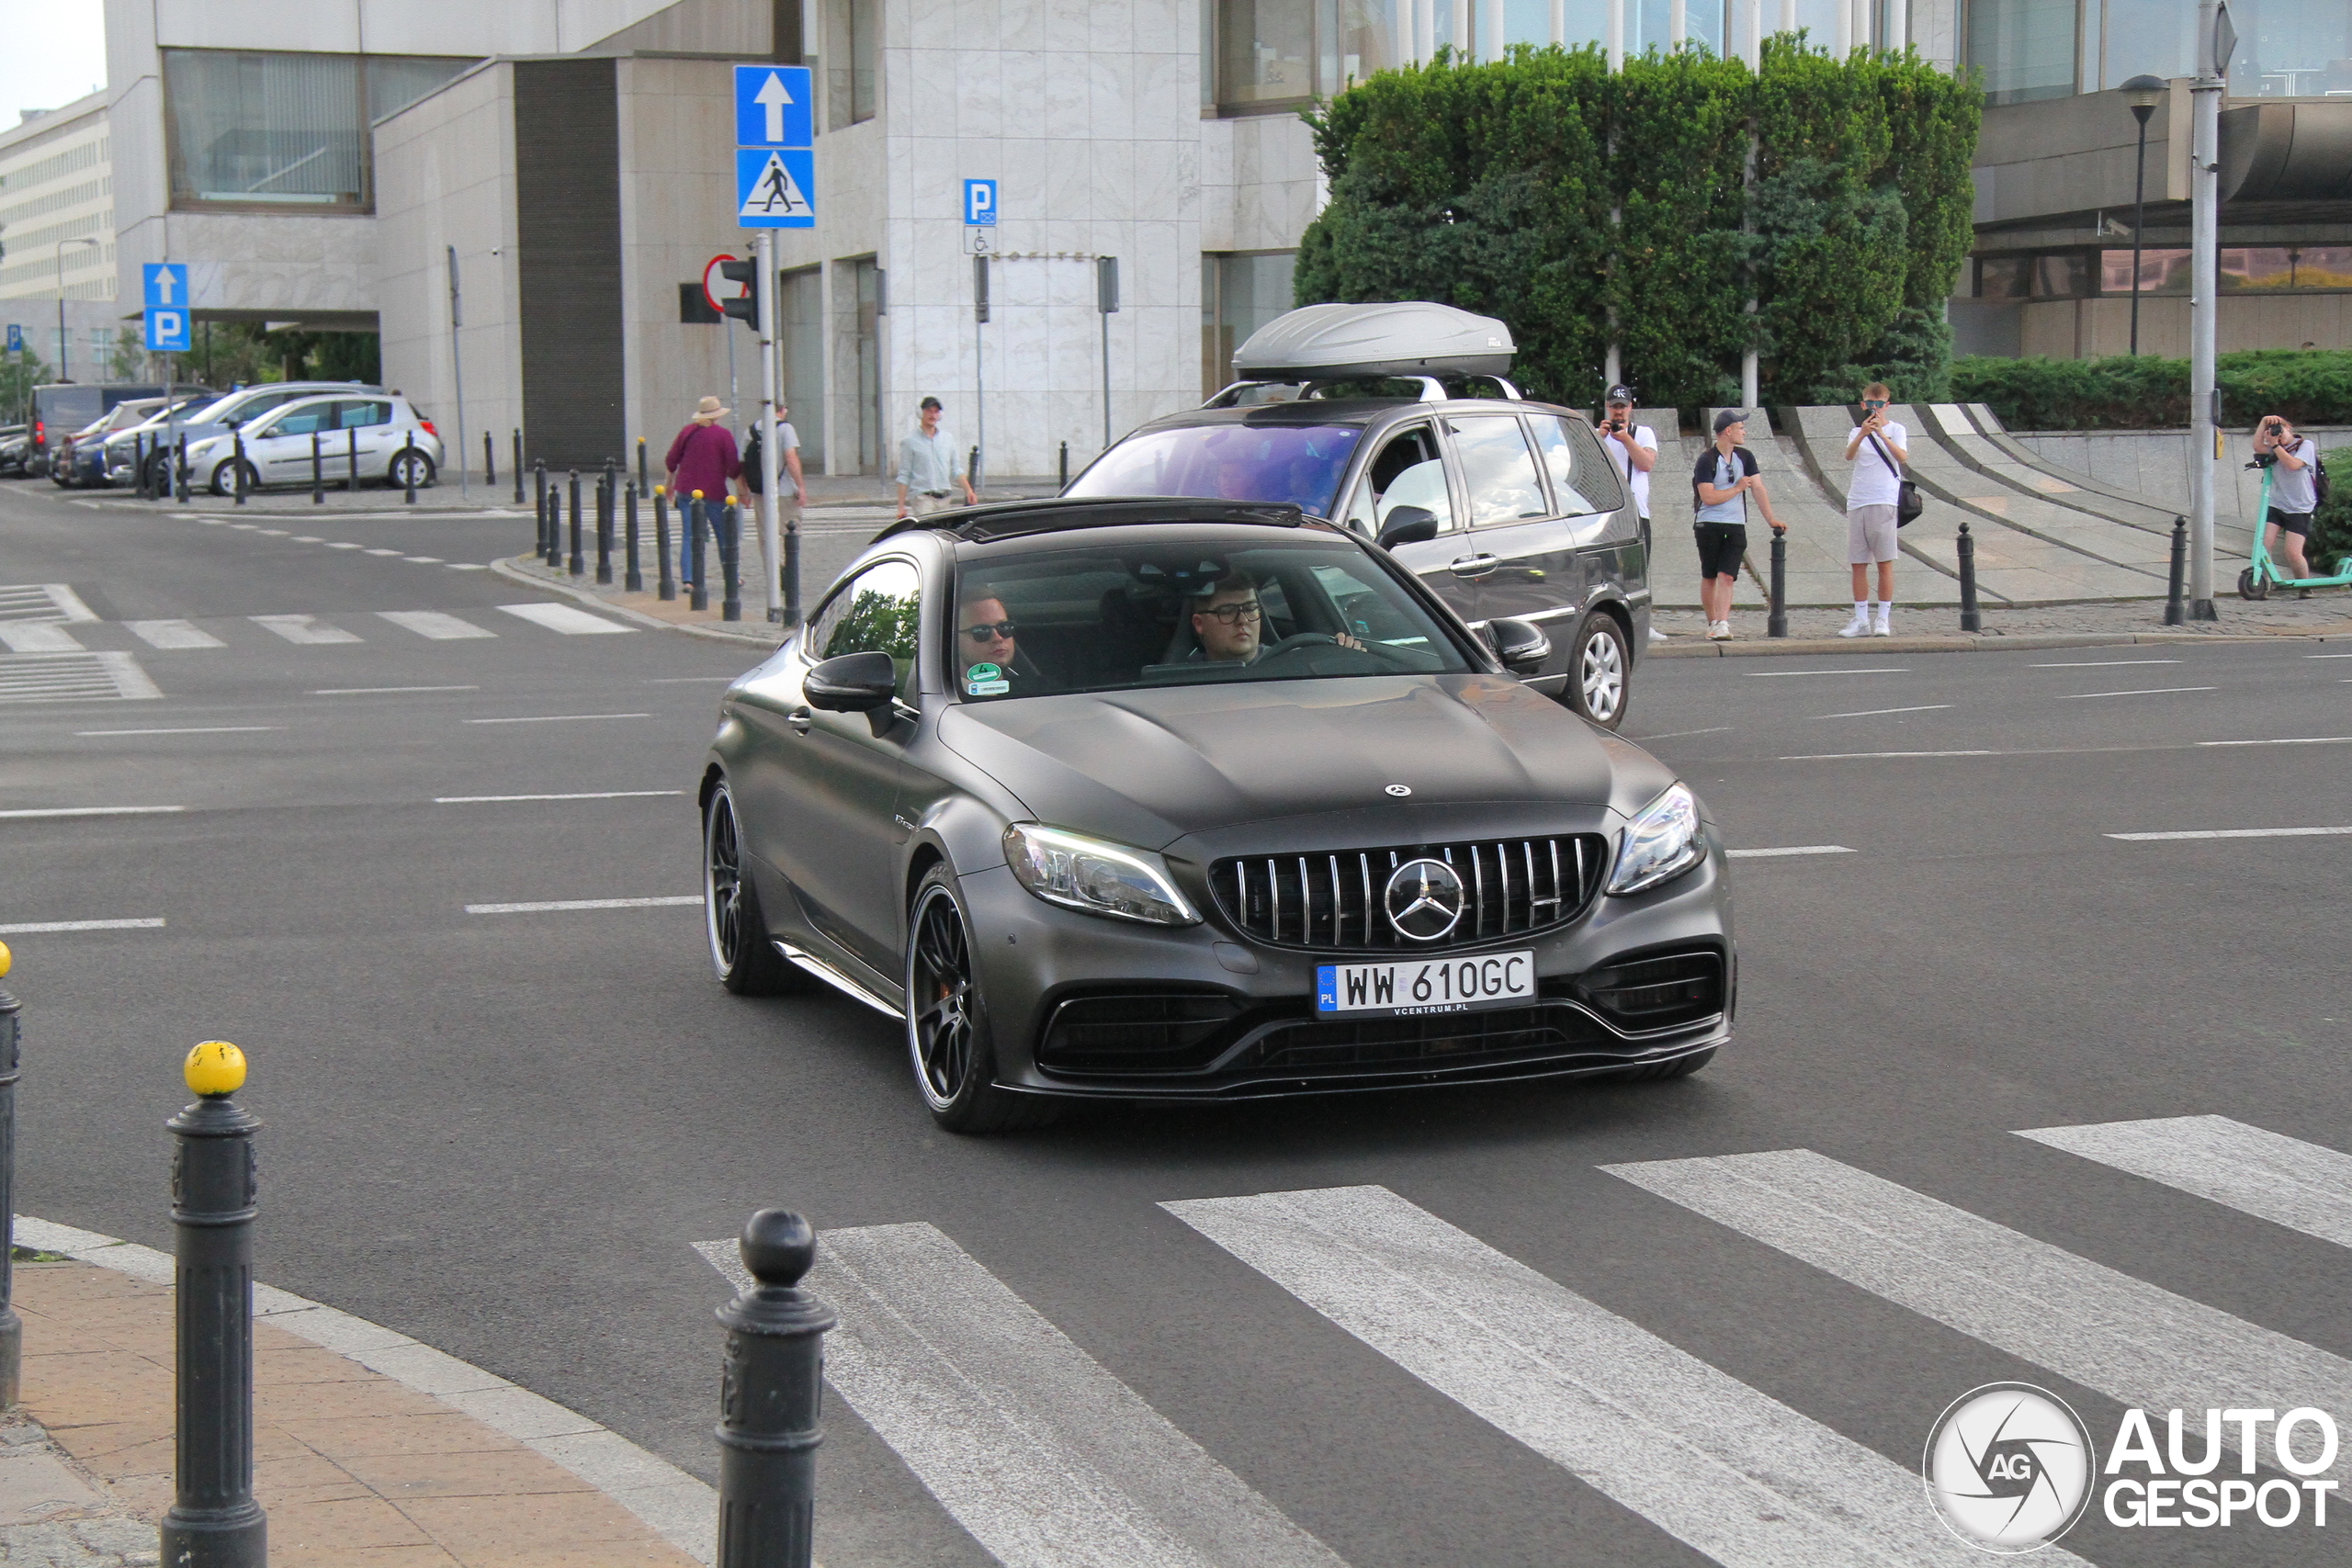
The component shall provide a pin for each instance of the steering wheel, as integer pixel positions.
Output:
(1307, 643)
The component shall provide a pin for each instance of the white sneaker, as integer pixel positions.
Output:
(1882, 627)
(1859, 626)
(1719, 631)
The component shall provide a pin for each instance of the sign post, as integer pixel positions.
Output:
(775, 182)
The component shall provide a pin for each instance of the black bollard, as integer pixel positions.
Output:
(351, 468)
(408, 465)
(539, 481)
(1971, 619)
(662, 558)
(1065, 466)
(318, 471)
(138, 463)
(540, 534)
(555, 527)
(518, 468)
(792, 571)
(730, 563)
(490, 461)
(641, 465)
(12, 1327)
(179, 467)
(214, 1521)
(2176, 596)
(237, 452)
(698, 576)
(771, 1396)
(578, 563)
(1776, 624)
(632, 575)
(604, 525)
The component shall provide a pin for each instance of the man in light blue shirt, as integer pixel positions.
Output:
(928, 471)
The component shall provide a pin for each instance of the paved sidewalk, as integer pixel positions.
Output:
(353, 1467)
(2326, 613)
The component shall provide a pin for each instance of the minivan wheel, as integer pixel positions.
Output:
(1599, 668)
(740, 950)
(947, 1023)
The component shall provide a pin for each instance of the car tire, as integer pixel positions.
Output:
(224, 477)
(396, 472)
(1600, 686)
(1680, 1067)
(948, 1043)
(740, 949)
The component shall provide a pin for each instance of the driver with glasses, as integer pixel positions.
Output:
(1229, 620)
(989, 664)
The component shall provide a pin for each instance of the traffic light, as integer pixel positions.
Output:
(746, 306)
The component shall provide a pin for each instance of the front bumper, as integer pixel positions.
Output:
(1094, 1009)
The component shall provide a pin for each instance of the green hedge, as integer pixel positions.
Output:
(2308, 386)
(1493, 187)
(2332, 525)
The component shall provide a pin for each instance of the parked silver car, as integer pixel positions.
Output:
(362, 438)
(227, 412)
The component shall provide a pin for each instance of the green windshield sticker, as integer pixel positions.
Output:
(982, 672)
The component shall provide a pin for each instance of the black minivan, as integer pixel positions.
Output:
(1505, 507)
(61, 408)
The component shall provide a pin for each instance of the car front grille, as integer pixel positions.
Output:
(1333, 901)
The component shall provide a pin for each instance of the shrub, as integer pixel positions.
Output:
(2310, 387)
(2332, 525)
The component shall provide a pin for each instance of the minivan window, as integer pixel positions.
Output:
(1497, 468)
(1584, 481)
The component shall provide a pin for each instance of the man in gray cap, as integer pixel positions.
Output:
(1725, 473)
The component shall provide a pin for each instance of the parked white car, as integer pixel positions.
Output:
(377, 435)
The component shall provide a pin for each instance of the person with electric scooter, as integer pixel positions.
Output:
(2293, 462)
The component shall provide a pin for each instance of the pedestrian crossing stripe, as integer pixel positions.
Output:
(2282, 1179)
(177, 636)
(72, 677)
(42, 602)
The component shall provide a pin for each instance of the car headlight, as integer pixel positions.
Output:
(1663, 840)
(1080, 873)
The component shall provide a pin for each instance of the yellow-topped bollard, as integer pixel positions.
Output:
(5, 959)
(215, 1068)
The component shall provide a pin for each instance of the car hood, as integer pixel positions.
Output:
(1149, 767)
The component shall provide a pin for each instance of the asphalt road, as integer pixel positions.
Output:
(503, 1132)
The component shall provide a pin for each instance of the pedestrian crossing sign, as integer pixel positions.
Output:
(771, 187)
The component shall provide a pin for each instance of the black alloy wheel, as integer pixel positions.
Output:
(741, 951)
(947, 1028)
(1599, 671)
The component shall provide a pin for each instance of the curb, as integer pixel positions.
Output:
(757, 632)
(1966, 643)
(675, 1505)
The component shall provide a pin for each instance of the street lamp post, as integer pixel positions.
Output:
(2141, 92)
(65, 343)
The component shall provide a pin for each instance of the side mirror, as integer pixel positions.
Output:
(1520, 645)
(1407, 525)
(851, 683)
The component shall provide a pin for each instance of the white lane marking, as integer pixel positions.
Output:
(2235, 833)
(422, 560)
(46, 928)
(477, 566)
(2137, 1343)
(434, 625)
(681, 1509)
(2290, 740)
(1850, 756)
(302, 628)
(308, 539)
(131, 683)
(1044, 1456)
(1645, 740)
(1720, 1466)
(68, 604)
(2102, 663)
(2141, 691)
(37, 636)
(1873, 713)
(698, 680)
(246, 527)
(203, 729)
(92, 811)
(1874, 669)
(173, 633)
(1792, 849)
(345, 544)
(378, 691)
(564, 906)
(383, 552)
(2328, 656)
(565, 619)
(594, 794)
(272, 533)
(2305, 1186)
(558, 718)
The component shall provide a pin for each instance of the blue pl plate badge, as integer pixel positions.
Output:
(1326, 987)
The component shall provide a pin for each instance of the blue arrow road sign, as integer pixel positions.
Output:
(772, 186)
(166, 284)
(979, 202)
(772, 105)
(167, 329)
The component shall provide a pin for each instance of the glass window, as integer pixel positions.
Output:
(2290, 48)
(302, 421)
(878, 611)
(359, 414)
(1406, 472)
(281, 130)
(2008, 277)
(1298, 464)
(1498, 470)
(1197, 610)
(1239, 293)
(1262, 54)
(853, 91)
(1581, 484)
(2025, 49)
(2066, 276)
(2261, 269)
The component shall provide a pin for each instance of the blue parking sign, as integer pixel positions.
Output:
(167, 329)
(16, 338)
(979, 203)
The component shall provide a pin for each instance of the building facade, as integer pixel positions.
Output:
(57, 230)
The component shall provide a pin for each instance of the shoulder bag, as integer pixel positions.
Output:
(1907, 503)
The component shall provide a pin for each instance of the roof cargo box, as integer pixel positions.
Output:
(1410, 337)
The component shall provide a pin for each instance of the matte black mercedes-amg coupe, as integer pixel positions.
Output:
(1199, 800)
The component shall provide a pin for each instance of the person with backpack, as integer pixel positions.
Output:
(792, 498)
(1876, 449)
(2295, 478)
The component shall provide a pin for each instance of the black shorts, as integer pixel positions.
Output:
(2299, 523)
(1721, 546)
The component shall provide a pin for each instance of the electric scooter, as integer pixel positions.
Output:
(2256, 581)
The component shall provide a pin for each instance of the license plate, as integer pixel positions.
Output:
(1425, 984)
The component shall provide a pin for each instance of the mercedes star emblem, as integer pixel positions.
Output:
(1400, 791)
(1424, 900)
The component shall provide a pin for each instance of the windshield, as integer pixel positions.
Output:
(1298, 464)
(1187, 613)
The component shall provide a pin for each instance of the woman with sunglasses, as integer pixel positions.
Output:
(1876, 449)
